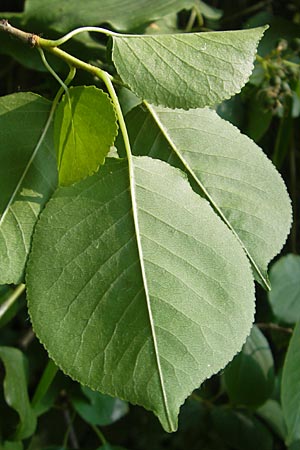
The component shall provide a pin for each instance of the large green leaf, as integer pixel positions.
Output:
(69, 14)
(85, 128)
(15, 390)
(249, 377)
(233, 173)
(290, 388)
(285, 294)
(140, 294)
(28, 177)
(186, 70)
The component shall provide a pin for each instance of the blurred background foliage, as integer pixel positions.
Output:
(247, 405)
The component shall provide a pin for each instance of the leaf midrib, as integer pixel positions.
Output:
(146, 289)
(204, 190)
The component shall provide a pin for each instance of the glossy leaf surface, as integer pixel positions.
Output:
(186, 70)
(84, 129)
(143, 310)
(228, 168)
(26, 181)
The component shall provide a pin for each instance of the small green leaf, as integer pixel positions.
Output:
(99, 409)
(229, 169)
(186, 70)
(64, 16)
(290, 388)
(15, 390)
(28, 176)
(142, 307)
(285, 294)
(85, 128)
(249, 377)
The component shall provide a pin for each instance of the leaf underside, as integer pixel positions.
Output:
(227, 167)
(22, 119)
(186, 70)
(150, 341)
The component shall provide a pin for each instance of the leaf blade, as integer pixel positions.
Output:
(106, 341)
(186, 70)
(227, 168)
(15, 391)
(123, 16)
(85, 128)
(25, 186)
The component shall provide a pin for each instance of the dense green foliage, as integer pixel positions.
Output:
(136, 218)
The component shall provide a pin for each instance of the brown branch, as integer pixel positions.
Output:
(29, 38)
(274, 327)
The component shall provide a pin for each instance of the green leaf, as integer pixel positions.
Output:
(28, 176)
(290, 388)
(271, 413)
(241, 430)
(99, 409)
(285, 294)
(15, 390)
(186, 70)
(146, 306)
(85, 128)
(64, 16)
(249, 378)
(9, 445)
(232, 172)
(208, 11)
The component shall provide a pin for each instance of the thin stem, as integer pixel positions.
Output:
(249, 10)
(191, 20)
(274, 327)
(70, 433)
(11, 300)
(106, 78)
(44, 383)
(70, 77)
(99, 434)
(57, 42)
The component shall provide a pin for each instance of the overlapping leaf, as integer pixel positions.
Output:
(15, 390)
(249, 377)
(146, 307)
(231, 171)
(285, 294)
(26, 182)
(186, 70)
(85, 128)
(69, 14)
